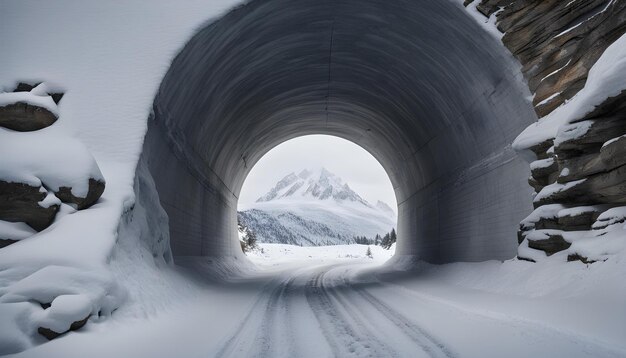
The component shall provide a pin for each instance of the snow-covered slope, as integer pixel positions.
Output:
(109, 60)
(315, 208)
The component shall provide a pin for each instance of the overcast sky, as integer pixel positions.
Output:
(352, 163)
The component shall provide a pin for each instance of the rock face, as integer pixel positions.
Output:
(50, 334)
(556, 41)
(24, 117)
(583, 168)
(96, 188)
(20, 203)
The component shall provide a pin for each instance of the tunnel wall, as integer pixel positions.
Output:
(416, 83)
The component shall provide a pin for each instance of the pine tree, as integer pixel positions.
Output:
(386, 242)
(251, 239)
(393, 237)
(368, 253)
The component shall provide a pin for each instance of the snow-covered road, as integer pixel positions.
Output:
(318, 312)
(323, 311)
(335, 302)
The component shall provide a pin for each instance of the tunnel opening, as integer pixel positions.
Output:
(317, 197)
(418, 84)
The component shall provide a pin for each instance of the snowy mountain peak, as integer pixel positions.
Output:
(317, 185)
(382, 206)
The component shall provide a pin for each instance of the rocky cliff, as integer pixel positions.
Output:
(577, 168)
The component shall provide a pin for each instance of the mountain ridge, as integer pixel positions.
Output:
(315, 207)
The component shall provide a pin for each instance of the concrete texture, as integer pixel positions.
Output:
(417, 83)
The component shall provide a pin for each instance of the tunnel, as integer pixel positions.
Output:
(417, 83)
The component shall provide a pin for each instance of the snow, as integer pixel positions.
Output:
(15, 231)
(556, 188)
(578, 210)
(549, 211)
(611, 217)
(607, 78)
(582, 22)
(554, 73)
(550, 98)
(347, 219)
(543, 163)
(571, 28)
(569, 132)
(47, 156)
(64, 310)
(49, 200)
(613, 140)
(109, 60)
(31, 98)
(315, 207)
(489, 24)
(272, 255)
(512, 308)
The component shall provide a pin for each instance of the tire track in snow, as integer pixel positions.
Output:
(276, 324)
(420, 336)
(349, 320)
(251, 339)
(345, 339)
(345, 292)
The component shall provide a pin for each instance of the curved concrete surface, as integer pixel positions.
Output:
(416, 83)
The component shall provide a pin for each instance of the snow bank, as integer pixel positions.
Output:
(268, 255)
(607, 78)
(65, 310)
(109, 60)
(15, 231)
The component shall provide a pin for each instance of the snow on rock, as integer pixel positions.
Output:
(28, 110)
(543, 212)
(36, 99)
(607, 78)
(579, 210)
(556, 188)
(613, 140)
(611, 217)
(31, 204)
(47, 157)
(49, 200)
(599, 248)
(110, 72)
(542, 163)
(524, 252)
(93, 292)
(569, 132)
(63, 313)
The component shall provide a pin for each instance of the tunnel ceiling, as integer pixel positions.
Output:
(416, 83)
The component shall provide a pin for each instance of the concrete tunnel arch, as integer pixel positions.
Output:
(417, 83)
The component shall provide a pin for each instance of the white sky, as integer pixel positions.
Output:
(353, 164)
